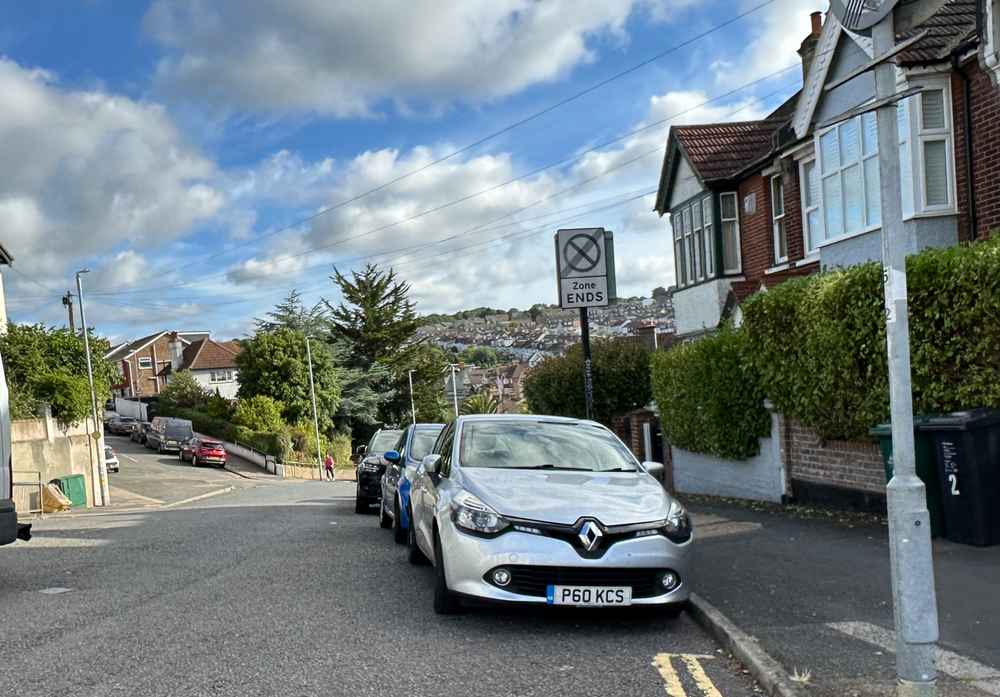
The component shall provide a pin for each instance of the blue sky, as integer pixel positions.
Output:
(176, 147)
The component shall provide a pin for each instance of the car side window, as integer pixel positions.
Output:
(444, 447)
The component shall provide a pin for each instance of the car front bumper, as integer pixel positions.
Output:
(468, 559)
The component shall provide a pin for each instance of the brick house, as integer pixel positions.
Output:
(145, 362)
(794, 193)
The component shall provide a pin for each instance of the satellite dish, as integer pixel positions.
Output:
(860, 16)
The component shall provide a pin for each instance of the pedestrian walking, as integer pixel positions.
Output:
(328, 464)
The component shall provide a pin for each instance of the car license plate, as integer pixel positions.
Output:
(589, 596)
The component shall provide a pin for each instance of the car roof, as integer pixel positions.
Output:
(427, 427)
(514, 418)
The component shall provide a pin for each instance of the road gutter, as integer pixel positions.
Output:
(771, 675)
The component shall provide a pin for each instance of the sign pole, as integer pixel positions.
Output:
(588, 375)
(914, 599)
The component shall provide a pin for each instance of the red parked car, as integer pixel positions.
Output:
(199, 452)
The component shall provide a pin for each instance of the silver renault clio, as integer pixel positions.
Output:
(546, 510)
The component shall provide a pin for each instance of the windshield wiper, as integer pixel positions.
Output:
(546, 466)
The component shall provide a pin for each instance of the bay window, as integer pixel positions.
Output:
(934, 139)
(848, 162)
(778, 220)
(694, 241)
(811, 215)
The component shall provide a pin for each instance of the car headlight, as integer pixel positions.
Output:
(473, 516)
(368, 467)
(678, 527)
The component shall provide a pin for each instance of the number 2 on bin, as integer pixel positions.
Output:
(953, 479)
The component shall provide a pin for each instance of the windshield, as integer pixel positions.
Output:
(384, 441)
(210, 445)
(181, 430)
(423, 442)
(543, 445)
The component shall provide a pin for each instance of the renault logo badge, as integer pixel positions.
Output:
(590, 535)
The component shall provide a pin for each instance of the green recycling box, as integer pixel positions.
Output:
(926, 468)
(967, 446)
(74, 487)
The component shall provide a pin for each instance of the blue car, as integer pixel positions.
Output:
(416, 442)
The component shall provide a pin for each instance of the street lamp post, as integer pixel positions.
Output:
(312, 390)
(99, 472)
(413, 406)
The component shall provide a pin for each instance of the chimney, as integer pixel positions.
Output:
(808, 48)
(176, 351)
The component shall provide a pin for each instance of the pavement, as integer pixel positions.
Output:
(279, 588)
(814, 589)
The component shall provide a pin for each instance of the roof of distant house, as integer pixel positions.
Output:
(123, 351)
(952, 25)
(206, 354)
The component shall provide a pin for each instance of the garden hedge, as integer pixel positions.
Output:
(710, 398)
(818, 343)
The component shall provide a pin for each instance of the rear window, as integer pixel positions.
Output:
(385, 440)
(211, 444)
(178, 430)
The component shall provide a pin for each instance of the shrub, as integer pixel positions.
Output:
(184, 392)
(67, 394)
(219, 407)
(259, 413)
(819, 343)
(620, 377)
(710, 397)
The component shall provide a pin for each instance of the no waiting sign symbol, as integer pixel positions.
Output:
(582, 253)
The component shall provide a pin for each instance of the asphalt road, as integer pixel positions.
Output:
(278, 588)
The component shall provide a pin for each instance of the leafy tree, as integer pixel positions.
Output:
(291, 313)
(536, 311)
(364, 393)
(482, 356)
(219, 407)
(68, 395)
(32, 352)
(184, 391)
(428, 364)
(376, 315)
(480, 403)
(274, 364)
(259, 413)
(620, 375)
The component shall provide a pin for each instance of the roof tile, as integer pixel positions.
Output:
(722, 150)
(947, 29)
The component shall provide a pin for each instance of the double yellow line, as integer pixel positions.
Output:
(672, 680)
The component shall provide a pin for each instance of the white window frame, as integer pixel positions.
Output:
(921, 135)
(708, 230)
(778, 227)
(144, 362)
(694, 241)
(867, 225)
(809, 235)
(226, 373)
(722, 229)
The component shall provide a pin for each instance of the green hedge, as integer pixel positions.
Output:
(710, 399)
(819, 347)
(278, 445)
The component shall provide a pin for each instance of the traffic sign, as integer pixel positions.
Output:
(585, 267)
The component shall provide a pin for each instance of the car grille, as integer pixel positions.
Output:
(534, 580)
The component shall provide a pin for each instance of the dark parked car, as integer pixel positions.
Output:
(168, 435)
(372, 467)
(416, 442)
(139, 431)
(203, 452)
(121, 426)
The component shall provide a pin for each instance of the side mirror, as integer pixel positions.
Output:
(360, 450)
(392, 457)
(655, 470)
(430, 463)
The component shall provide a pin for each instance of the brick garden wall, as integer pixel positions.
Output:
(842, 464)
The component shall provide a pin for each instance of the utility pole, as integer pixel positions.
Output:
(67, 301)
(312, 390)
(454, 388)
(99, 470)
(914, 596)
(910, 552)
(413, 406)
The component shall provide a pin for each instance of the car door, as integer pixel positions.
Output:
(429, 490)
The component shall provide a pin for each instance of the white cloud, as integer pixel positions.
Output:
(86, 171)
(347, 59)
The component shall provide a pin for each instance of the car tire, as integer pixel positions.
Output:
(445, 602)
(398, 531)
(414, 555)
(360, 504)
(383, 520)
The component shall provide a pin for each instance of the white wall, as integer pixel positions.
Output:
(225, 389)
(686, 184)
(700, 307)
